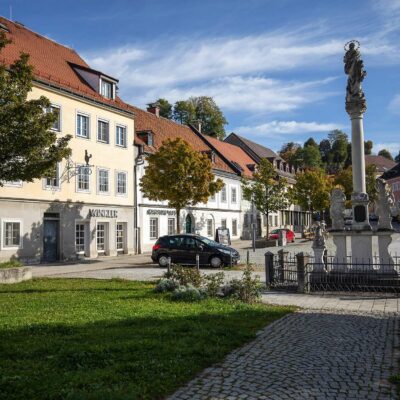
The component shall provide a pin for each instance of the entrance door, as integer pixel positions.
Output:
(50, 240)
(188, 224)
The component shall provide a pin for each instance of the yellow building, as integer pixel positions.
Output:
(86, 208)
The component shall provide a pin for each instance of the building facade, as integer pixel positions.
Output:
(86, 208)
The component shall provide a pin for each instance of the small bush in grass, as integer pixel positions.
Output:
(188, 293)
(213, 283)
(11, 264)
(166, 285)
(185, 276)
(247, 289)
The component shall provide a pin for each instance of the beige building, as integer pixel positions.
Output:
(86, 208)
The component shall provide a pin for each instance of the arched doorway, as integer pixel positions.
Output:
(189, 224)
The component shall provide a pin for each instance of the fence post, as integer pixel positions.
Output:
(248, 258)
(302, 275)
(283, 258)
(198, 262)
(269, 268)
(168, 266)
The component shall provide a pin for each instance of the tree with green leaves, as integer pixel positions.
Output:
(267, 190)
(289, 152)
(339, 150)
(203, 109)
(165, 108)
(385, 153)
(325, 150)
(311, 190)
(179, 175)
(368, 145)
(344, 179)
(311, 156)
(29, 149)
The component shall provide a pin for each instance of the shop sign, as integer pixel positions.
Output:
(94, 212)
(161, 212)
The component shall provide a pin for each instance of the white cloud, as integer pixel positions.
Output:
(393, 148)
(274, 128)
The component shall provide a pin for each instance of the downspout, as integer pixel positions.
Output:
(138, 161)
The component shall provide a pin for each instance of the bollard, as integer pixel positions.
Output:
(197, 262)
(302, 275)
(269, 268)
(169, 266)
(248, 258)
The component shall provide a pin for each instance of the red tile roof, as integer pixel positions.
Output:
(164, 129)
(233, 154)
(382, 163)
(51, 61)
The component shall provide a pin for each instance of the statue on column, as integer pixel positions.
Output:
(354, 68)
(337, 209)
(384, 205)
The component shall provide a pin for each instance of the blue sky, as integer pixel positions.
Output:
(274, 67)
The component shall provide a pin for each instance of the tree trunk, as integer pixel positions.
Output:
(178, 220)
(267, 215)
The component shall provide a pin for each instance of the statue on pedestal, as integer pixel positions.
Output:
(384, 205)
(338, 200)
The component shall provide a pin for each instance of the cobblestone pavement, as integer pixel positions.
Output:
(308, 355)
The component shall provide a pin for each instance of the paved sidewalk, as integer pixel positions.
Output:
(307, 355)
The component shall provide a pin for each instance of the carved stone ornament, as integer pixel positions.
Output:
(337, 209)
(384, 205)
(359, 197)
(319, 240)
(354, 68)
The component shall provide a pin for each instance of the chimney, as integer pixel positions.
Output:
(154, 108)
(197, 123)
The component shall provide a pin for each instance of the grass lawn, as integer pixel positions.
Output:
(94, 339)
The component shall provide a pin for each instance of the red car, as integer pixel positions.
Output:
(274, 235)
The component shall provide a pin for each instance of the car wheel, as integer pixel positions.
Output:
(163, 260)
(215, 262)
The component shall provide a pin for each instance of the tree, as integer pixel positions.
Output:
(325, 150)
(344, 179)
(368, 145)
(310, 142)
(311, 156)
(165, 108)
(179, 175)
(339, 150)
(28, 148)
(205, 110)
(267, 190)
(385, 153)
(311, 190)
(288, 152)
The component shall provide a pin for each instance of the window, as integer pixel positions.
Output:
(80, 238)
(210, 227)
(149, 139)
(223, 223)
(270, 220)
(101, 237)
(171, 226)
(53, 181)
(106, 89)
(57, 112)
(153, 228)
(212, 198)
(120, 136)
(121, 182)
(102, 180)
(13, 183)
(233, 195)
(82, 126)
(83, 179)
(103, 130)
(276, 220)
(223, 194)
(234, 227)
(11, 234)
(120, 236)
(246, 220)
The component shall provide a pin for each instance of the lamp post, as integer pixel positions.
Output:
(253, 225)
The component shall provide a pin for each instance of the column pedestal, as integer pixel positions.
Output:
(319, 265)
(385, 259)
(340, 260)
(361, 251)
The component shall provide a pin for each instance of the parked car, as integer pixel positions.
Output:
(290, 236)
(183, 250)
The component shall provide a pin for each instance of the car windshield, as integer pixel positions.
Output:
(275, 231)
(208, 242)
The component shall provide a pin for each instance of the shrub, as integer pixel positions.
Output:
(185, 276)
(213, 283)
(188, 293)
(11, 264)
(166, 285)
(247, 289)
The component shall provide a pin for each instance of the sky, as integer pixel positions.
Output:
(275, 68)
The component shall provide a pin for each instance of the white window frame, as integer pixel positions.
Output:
(125, 145)
(84, 237)
(223, 195)
(17, 184)
(156, 226)
(126, 183)
(52, 187)
(83, 114)
(97, 130)
(123, 236)
(3, 233)
(235, 221)
(53, 105)
(77, 182)
(103, 251)
(224, 225)
(169, 231)
(212, 227)
(234, 190)
(98, 180)
(112, 86)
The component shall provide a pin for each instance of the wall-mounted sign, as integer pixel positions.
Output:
(161, 212)
(95, 212)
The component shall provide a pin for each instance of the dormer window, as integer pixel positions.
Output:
(107, 89)
(147, 137)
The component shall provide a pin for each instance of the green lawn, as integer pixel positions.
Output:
(93, 339)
